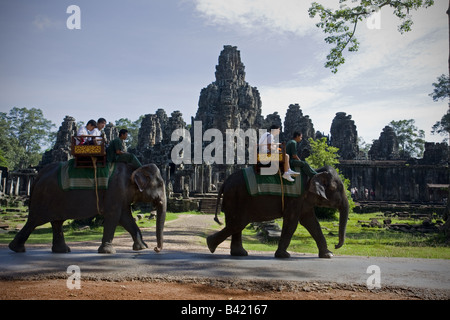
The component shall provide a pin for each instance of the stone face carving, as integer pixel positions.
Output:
(61, 149)
(154, 137)
(271, 119)
(150, 132)
(296, 121)
(229, 102)
(386, 147)
(111, 132)
(344, 136)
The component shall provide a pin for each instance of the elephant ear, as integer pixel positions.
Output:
(317, 185)
(140, 178)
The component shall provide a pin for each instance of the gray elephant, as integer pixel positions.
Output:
(50, 203)
(325, 189)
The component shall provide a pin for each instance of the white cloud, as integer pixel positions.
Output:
(389, 78)
(258, 15)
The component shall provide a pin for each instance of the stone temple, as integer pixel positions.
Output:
(229, 102)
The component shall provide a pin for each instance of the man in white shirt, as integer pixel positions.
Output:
(97, 132)
(267, 142)
(86, 131)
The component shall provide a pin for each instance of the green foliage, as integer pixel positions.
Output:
(24, 134)
(133, 130)
(361, 241)
(322, 154)
(441, 89)
(341, 24)
(442, 127)
(411, 140)
(72, 229)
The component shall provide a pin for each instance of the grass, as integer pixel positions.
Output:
(43, 234)
(360, 241)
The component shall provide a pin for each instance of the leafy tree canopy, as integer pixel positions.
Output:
(133, 130)
(442, 127)
(322, 154)
(341, 24)
(441, 89)
(411, 139)
(24, 134)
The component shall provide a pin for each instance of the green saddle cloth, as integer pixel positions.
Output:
(258, 184)
(71, 178)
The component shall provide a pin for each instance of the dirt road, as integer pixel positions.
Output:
(182, 235)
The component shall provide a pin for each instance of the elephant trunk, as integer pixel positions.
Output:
(343, 217)
(160, 220)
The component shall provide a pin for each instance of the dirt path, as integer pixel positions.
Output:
(186, 233)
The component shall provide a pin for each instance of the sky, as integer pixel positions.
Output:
(130, 58)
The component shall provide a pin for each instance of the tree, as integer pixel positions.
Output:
(442, 127)
(6, 141)
(3, 161)
(133, 130)
(25, 133)
(441, 89)
(411, 140)
(322, 154)
(441, 92)
(341, 24)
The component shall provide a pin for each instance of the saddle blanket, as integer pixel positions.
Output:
(71, 178)
(258, 184)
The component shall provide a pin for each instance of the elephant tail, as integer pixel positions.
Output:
(219, 195)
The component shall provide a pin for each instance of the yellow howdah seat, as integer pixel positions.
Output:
(264, 159)
(87, 149)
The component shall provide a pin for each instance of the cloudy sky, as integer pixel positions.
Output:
(132, 57)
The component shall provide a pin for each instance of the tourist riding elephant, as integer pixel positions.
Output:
(50, 203)
(325, 189)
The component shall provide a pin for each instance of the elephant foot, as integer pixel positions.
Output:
(282, 254)
(239, 252)
(327, 254)
(106, 248)
(139, 245)
(211, 246)
(14, 246)
(61, 248)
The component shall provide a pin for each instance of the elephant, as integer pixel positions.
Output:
(325, 189)
(50, 203)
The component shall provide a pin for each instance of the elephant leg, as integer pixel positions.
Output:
(236, 248)
(59, 243)
(18, 243)
(289, 226)
(310, 222)
(109, 227)
(236, 245)
(127, 221)
(214, 240)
